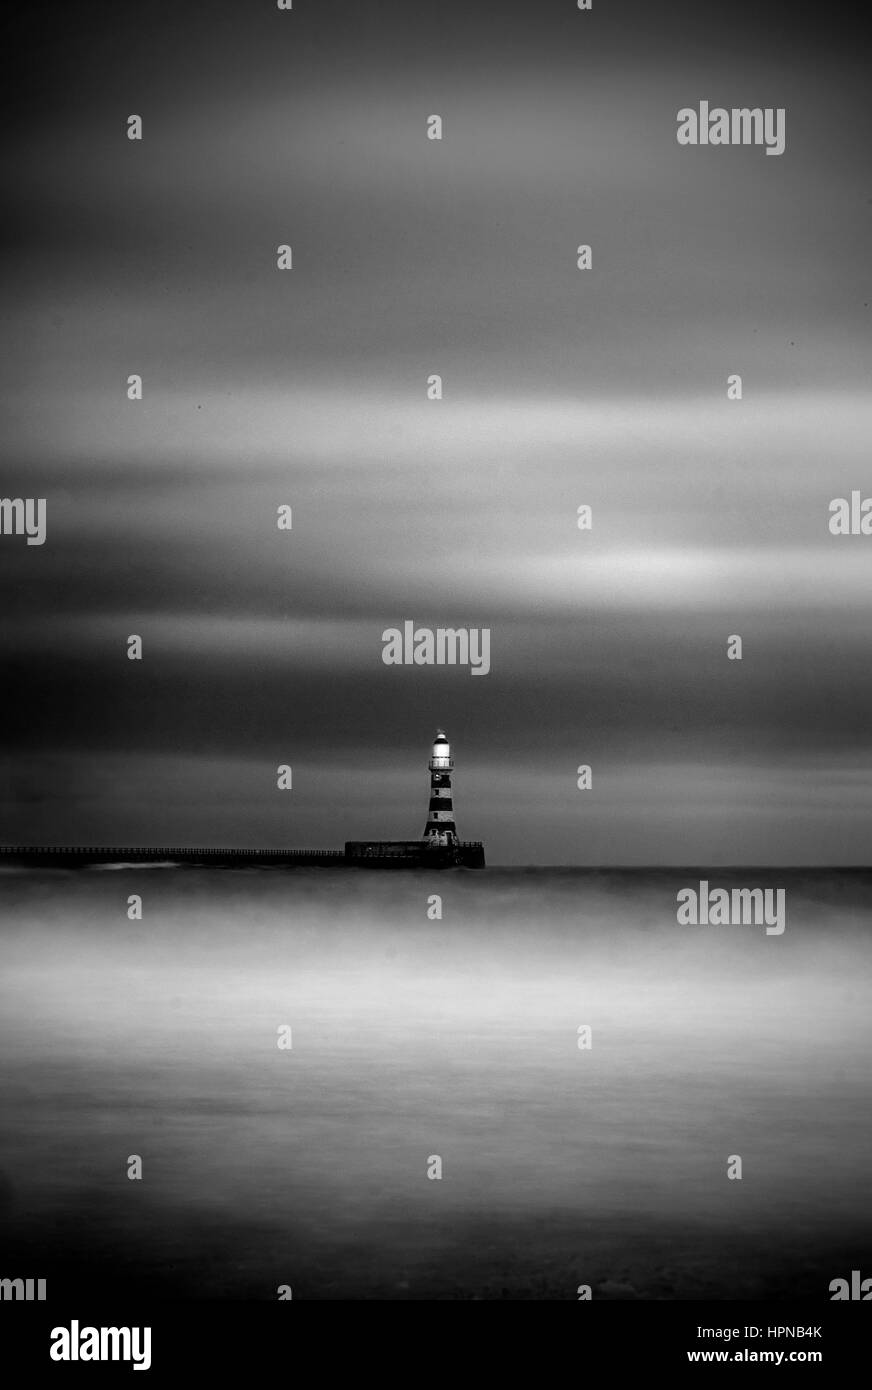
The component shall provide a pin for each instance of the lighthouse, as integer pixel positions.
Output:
(440, 828)
(439, 847)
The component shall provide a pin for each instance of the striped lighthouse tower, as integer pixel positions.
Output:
(440, 828)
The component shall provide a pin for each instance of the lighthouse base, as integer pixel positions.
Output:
(406, 854)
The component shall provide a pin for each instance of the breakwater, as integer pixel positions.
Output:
(370, 854)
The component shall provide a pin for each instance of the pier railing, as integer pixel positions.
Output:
(127, 852)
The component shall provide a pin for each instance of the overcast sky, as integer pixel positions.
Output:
(606, 387)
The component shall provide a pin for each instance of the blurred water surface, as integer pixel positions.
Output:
(413, 1038)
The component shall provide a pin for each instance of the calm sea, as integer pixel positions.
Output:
(414, 1038)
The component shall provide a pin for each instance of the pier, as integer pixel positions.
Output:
(357, 854)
